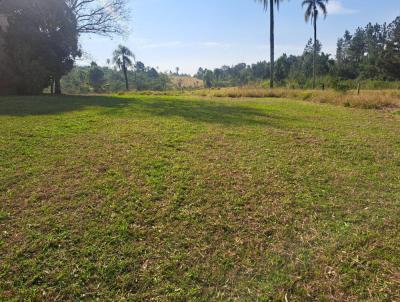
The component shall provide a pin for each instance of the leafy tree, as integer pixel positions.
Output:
(282, 68)
(346, 67)
(259, 69)
(41, 43)
(139, 66)
(208, 78)
(371, 52)
(153, 73)
(391, 55)
(271, 4)
(123, 57)
(313, 8)
(218, 74)
(96, 77)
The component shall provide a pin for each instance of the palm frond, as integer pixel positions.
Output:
(322, 6)
(314, 7)
(122, 57)
(309, 13)
(265, 3)
(128, 61)
(306, 2)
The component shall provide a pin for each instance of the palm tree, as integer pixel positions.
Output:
(122, 57)
(271, 3)
(312, 12)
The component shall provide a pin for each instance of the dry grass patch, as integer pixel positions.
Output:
(367, 99)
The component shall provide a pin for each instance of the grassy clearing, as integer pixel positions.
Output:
(368, 99)
(155, 198)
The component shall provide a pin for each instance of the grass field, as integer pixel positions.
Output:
(156, 198)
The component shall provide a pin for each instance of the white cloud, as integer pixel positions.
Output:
(335, 7)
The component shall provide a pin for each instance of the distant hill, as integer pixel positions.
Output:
(185, 82)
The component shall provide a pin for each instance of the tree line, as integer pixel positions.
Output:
(109, 79)
(370, 53)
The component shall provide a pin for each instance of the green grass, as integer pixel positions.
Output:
(156, 198)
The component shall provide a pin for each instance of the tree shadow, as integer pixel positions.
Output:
(195, 110)
(48, 105)
(206, 111)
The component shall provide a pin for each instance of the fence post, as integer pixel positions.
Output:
(358, 88)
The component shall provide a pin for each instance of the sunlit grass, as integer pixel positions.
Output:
(165, 198)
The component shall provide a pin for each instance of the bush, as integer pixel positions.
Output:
(341, 86)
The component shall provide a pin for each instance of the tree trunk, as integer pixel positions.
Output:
(126, 78)
(57, 85)
(52, 86)
(272, 42)
(315, 48)
(136, 79)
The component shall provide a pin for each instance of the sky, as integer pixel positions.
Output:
(210, 33)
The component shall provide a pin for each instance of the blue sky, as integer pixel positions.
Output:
(212, 33)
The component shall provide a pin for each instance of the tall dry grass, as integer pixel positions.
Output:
(368, 99)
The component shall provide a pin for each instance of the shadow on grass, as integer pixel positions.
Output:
(189, 109)
(47, 105)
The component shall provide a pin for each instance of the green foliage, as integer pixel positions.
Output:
(340, 85)
(112, 80)
(123, 58)
(96, 77)
(314, 8)
(41, 44)
(296, 70)
(370, 53)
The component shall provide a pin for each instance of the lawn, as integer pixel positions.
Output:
(157, 198)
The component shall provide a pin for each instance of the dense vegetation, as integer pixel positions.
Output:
(40, 45)
(94, 78)
(39, 39)
(371, 53)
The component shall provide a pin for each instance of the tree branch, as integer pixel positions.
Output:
(102, 17)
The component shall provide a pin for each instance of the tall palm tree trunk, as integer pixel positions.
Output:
(126, 78)
(272, 42)
(315, 47)
(136, 79)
